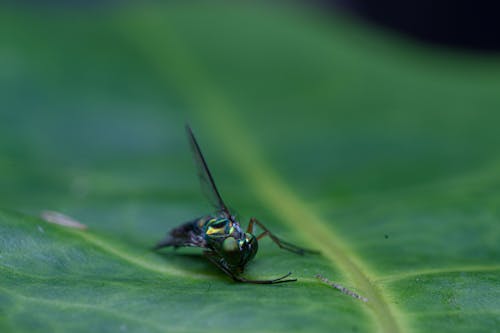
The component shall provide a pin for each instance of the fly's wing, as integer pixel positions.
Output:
(206, 179)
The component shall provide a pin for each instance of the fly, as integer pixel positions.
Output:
(225, 244)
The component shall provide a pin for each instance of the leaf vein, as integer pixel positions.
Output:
(437, 271)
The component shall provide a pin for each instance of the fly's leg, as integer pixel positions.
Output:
(214, 259)
(281, 243)
(278, 280)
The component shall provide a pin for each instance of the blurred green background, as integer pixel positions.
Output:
(381, 152)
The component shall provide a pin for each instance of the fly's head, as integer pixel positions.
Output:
(225, 237)
(238, 251)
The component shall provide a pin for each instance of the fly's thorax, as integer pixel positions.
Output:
(217, 227)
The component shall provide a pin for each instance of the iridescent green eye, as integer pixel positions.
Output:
(230, 244)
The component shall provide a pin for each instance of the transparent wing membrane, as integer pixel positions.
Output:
(207, 182)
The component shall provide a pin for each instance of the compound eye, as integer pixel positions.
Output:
(230, 244)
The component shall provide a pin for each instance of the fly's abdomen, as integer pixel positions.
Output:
(188, 234)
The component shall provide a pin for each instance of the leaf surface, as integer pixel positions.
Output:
(380, 153)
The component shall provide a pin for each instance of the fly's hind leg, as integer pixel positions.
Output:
(216, 261)
(281, 243)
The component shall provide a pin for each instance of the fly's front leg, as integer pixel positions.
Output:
(274, 281)
(281, 243)
(215, 260)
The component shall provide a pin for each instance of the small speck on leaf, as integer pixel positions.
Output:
(61, 219)
(341, 288)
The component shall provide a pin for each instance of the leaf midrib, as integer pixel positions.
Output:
(274, 193)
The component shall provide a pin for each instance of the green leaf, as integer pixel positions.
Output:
(378, 152)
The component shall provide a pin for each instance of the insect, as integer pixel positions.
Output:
(225, 244)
